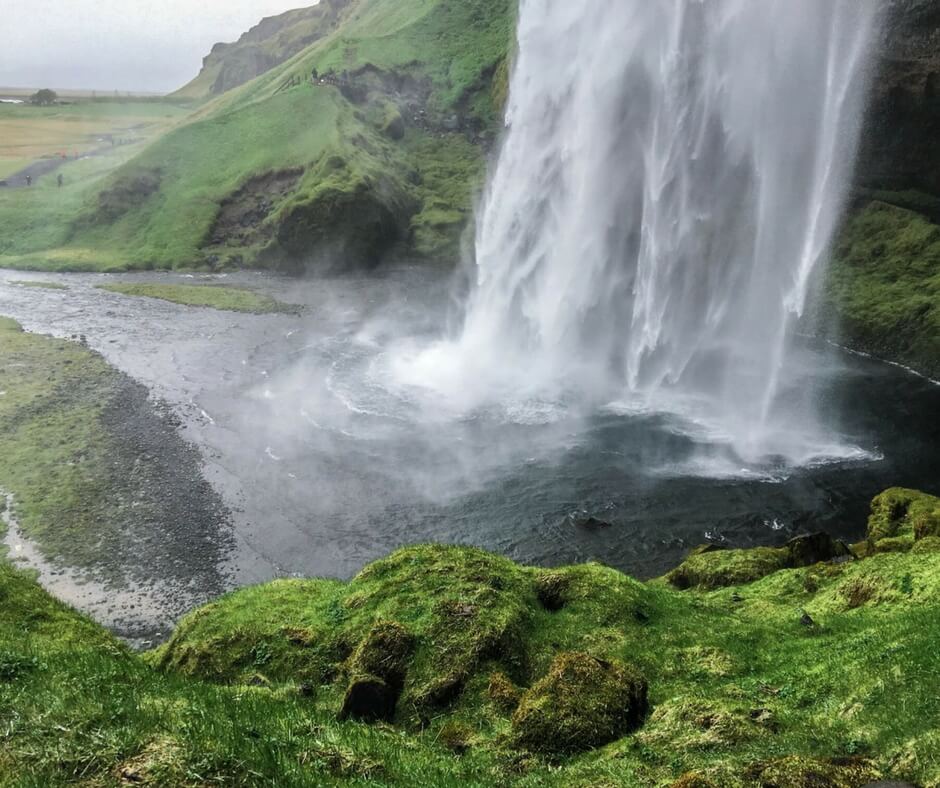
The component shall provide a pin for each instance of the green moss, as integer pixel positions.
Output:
(693, 780)
(903, 514)
(38, 284)
(795, 772)
(504, 695)
(582, 702)
(721, 568)
(708, 568)
(470, 661)
(281, 630)
(233, 299)
(884, 283)
(695, 724)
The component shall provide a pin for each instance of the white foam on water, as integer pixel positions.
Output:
(670, 182)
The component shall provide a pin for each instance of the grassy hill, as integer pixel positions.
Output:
(450, 666)
(387, 150)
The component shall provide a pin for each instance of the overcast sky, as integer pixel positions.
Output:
(152, 45)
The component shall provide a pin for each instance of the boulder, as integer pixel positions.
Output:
(814, 549)
(581, 703)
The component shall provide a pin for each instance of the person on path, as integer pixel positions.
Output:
(29, 180)
(59, 180)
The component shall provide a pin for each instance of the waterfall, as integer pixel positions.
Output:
(670, 180)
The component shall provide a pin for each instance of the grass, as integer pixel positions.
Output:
(232, 299)
(11, 165)
(90, 466)
(29, 133)
(385, 191)
(885, 285)
(250, 689)
(40, 284)
(55, 449)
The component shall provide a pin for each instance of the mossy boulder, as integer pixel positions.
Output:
(582, 703)
(708, 568)
(721, 568)
(899, 512)
(384, 652)
(799, 772)
(814, 549)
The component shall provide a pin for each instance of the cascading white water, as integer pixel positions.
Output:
(671, 178)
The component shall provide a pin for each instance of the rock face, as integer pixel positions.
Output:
(899, 148)
(269, 43)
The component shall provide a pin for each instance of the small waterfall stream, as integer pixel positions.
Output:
(670, 182)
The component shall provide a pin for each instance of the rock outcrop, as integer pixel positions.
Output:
(899, 148)
(272, 41)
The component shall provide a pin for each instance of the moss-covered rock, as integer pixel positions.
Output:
(384, 652)
(814, 549)
(709, 568)
(797, 772)
(721, 568)
(582, 703)
(895, 512)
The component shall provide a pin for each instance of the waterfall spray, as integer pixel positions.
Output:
(670, 181)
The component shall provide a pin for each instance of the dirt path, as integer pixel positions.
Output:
(45, 166)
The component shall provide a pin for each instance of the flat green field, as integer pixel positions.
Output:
(29, 133)
(232, 299)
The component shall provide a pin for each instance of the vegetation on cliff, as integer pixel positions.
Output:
(385, 152)
(447, 665)
(885, 284)
(269, 43)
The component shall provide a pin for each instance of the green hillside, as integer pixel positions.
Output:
(450, 666)
(385, 152)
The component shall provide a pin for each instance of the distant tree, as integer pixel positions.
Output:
(44, 97)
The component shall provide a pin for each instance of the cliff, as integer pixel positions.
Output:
(884, 283)
(268, 44)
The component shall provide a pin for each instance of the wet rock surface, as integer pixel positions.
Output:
(898, 150)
